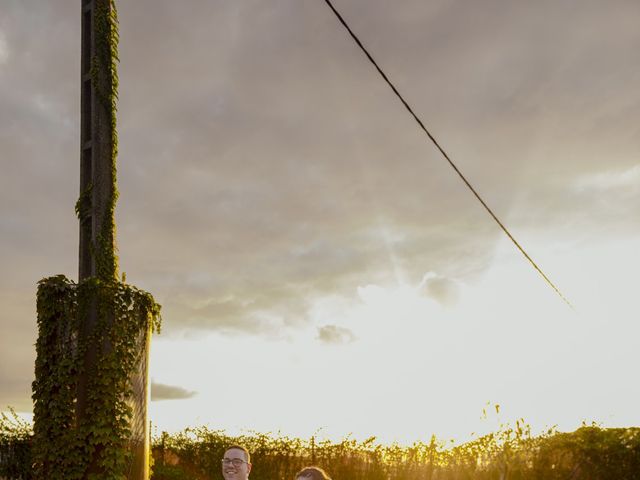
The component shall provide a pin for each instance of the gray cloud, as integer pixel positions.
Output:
(17, 352)
(160, 391)
(16, 391)
(334, 334)
(4, 49)
(443, 290)
(270, 312)
(263, 165)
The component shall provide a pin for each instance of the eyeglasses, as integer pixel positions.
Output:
(235, 461)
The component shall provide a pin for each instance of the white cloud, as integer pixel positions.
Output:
(613, 179)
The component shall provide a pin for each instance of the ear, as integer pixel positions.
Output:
(248, 468)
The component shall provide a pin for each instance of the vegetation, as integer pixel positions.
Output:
(104, 63)
(15, 446)
(511, 453)
(67, 446)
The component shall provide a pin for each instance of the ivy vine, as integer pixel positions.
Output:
(105, 82)
(83, 205)
(65, 449)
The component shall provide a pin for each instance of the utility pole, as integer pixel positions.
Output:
(95, 208)
(97, 156)
(96, 176)
(91, 384)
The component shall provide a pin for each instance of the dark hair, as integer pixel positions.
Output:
(240, 447)
(313, 473)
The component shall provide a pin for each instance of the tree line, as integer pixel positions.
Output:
(511, 453)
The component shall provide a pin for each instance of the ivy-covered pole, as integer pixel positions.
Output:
(99, 141)
(97, 250)
(98, 194)
(91, 385)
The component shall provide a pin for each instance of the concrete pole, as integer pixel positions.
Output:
(97, 248)
(96, 155)
(96, 182)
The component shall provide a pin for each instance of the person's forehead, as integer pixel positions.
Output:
(235, 453)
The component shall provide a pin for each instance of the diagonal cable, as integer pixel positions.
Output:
(444, 154)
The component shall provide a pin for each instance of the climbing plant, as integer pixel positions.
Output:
(105, 62)
(104, 82)
(65, 448)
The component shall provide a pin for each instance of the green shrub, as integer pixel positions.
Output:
(15, 446)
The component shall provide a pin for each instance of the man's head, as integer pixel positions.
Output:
(236, 463)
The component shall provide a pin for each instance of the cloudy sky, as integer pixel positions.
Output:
(319, 264)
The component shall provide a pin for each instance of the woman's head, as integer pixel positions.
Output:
(312, 473)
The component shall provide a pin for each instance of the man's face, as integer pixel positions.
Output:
(234, 465)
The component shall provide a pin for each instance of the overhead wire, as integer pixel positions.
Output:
(446, 156)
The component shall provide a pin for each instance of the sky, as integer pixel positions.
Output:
(321, 268)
